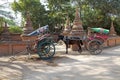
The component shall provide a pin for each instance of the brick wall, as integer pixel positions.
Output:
(4, 49)
(15, 37)
(9, 48)
(113, 41)
(110, 42)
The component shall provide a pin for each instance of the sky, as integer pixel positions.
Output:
(2, 2)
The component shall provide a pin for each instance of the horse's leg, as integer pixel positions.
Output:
(85, 44)
(67, 43)
(79, 46)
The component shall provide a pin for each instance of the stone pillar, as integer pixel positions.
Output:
(112, 30)
(77, 29)
(28, 26)
(67, 28)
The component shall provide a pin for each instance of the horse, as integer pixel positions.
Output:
(69, 41)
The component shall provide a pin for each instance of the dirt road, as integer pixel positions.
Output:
(74, 66)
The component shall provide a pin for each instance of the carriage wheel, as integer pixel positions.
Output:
(46, 50)
(95, 47)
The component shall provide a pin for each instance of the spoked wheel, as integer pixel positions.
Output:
(95, 47)
(46, 50)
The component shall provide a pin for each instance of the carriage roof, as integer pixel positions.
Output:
(100, 30)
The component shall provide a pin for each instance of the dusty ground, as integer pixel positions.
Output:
(74, 66)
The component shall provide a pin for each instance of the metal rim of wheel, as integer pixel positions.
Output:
(46, 50)
(94, 47)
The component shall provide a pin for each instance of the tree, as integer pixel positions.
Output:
(107, 6)
(35, 8)
(5, 16)
(98, 13)
(109, 9)
(94, 13)
(60, 10)
(1, 24)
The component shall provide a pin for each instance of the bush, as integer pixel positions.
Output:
(15, 29)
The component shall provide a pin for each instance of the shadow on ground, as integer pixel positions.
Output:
(105, 66)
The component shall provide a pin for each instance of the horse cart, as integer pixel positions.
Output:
(44, 45)
(91, 41)
(38, 41)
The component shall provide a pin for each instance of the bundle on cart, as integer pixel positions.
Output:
(34, 35)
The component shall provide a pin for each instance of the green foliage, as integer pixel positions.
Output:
(1, 29)
(10, 22)
(58, 12)
(37, 11)
(56, 5)
(1, 21)
(94, 13)
(99, 13)
(1, 24)
(107, 6)
(117, 25)
(15, 29)
(110, 10)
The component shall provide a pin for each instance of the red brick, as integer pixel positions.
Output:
(118, 41)
(4, 50)
(111, 42)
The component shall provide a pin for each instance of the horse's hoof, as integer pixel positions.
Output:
(80, 51)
